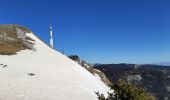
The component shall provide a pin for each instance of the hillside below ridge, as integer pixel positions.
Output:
(153, 78)
(99, 74)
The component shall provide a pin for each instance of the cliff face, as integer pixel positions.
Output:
(99, 74)
(155, 79)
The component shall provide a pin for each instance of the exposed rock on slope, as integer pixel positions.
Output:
(43, 73)
(100, 75)
(14, 39)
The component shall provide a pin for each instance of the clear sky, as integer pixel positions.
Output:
(99, 31)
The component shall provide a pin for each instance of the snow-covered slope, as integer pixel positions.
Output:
(45, 74)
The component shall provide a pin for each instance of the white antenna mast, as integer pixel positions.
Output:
(51, 37)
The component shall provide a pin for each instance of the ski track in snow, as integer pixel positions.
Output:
(56, 76)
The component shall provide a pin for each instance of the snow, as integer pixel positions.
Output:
(56, 76)
(97, 76)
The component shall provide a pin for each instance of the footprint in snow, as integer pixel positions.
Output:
(3, 65)
(31, 74)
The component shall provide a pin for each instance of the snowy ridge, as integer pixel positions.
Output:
(55, 76)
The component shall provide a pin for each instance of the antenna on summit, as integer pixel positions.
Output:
(51, 36)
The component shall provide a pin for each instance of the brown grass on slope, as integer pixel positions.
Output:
(9, 43)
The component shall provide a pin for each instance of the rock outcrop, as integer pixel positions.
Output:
(100, 75)
(13, 39)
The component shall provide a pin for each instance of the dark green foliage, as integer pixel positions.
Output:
(125, 91)
(100, 96)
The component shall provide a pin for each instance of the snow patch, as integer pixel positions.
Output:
(95, 74)
(56, 76)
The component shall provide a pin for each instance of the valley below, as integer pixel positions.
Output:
(153, 78)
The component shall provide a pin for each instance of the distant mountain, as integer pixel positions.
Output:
(154, 78)
(163, 63)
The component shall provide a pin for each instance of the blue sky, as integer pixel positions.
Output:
(99, 31)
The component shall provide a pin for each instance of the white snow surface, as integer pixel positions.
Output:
(56, 76)
(97, 76)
